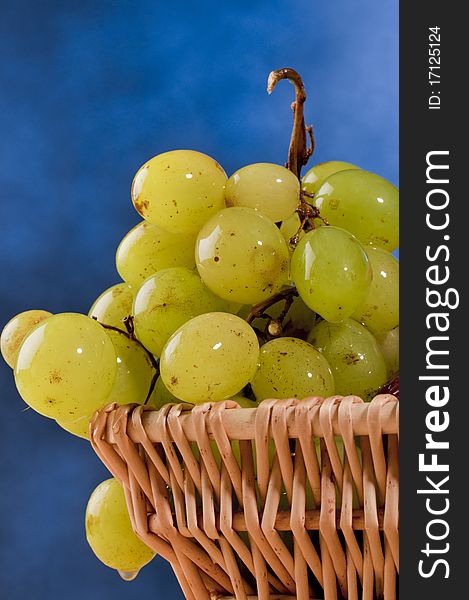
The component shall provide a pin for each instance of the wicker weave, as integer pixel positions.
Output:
(296, 528)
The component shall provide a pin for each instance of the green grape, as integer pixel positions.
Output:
(147, 249)
(317, 175)
(211, 357)
(291, 368)
(166, 301)
(79, 428)
(331, 272)
(109, 530)
(389, 344)
(271, 189)
(363, 203)
(66, 367)
(354, 356)
(242, 256)
(300, 319)
(290, 227)
(179, 190)
(113, 305)
(131, 385)
(134, 371)
(161, 395)
(380, 311)
(16, 330)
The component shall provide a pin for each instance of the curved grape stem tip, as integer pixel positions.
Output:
(298, 152)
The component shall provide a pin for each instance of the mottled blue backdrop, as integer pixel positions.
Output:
(89, 91)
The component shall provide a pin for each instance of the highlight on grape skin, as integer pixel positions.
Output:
(241, 256)
(66, 367)
(331, 271)
(211, 357)
(168, 299)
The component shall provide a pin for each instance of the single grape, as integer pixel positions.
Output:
(291, 368)
(109, 530)
(317, 175)
(113, 305)
(241, 256)
(389, 344)
(209, 358)
(179, 190)
(271, 189)
(380, 311)
(354, 356)
(331, 272)
(16, 330)
(134, 371)
(166, 301)
(363, 203)
(147, 249)
(291, 227)
(66, 367)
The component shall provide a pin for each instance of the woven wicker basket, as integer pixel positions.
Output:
(291, 527)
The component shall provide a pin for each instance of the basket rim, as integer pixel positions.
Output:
(240, 423)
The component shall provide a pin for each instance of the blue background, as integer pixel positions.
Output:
(90, 91)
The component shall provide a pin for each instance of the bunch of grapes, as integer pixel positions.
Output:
(260, 285)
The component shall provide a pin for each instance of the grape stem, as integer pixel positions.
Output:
(129, 325)
(298, 151)
(274, 326)
(298, 156)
